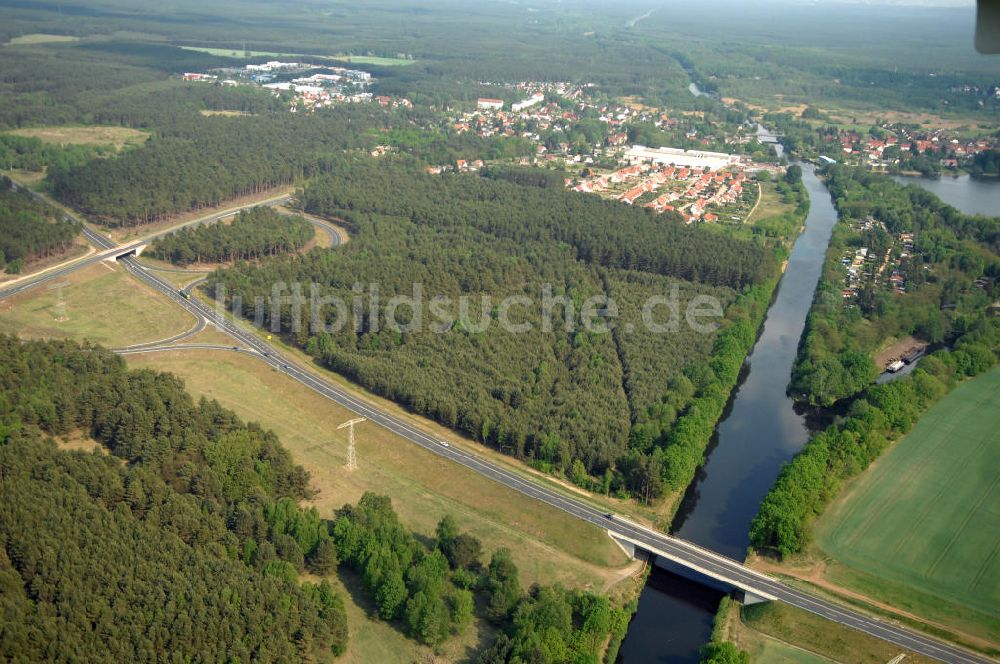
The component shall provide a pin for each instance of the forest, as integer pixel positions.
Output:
(32, 154)
(254, 233)
(197, 509)
(433, 591)
(878, 416)
(950, 278)
(29, 229)
(986, 164)
(200, 513)
(202, 161)
(193, 161)
(575, 401)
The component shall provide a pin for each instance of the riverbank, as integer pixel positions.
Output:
(755, 431)
(965, 193)
(894, 538)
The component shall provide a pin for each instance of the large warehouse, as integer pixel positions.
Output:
(685, 158)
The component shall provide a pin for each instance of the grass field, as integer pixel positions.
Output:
(101, 303)
(119, 137)
(921, 528)
(780, 634)
(548, 545)
(374, 60)
(650, 515)
(238, 53)
(770, 204)
(41, 38)
(767, 630)
(227, 114)
(355, 59)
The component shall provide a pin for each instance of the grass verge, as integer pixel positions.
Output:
(100, 302)
(776, 632)
(547, 545)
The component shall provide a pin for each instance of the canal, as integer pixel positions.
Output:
(760, 430)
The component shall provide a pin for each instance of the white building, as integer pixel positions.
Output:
(640, 154)
(533, 100)
(273, 65)
(485, 103)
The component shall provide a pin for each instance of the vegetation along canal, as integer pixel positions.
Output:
(760, 430)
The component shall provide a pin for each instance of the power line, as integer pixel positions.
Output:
(352, 455)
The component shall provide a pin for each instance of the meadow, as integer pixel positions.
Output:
(100, 302)
(767, 630)
(119, 137)
(922, 526)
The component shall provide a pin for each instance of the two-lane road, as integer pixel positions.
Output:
(679, 549)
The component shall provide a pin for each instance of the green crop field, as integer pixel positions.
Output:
(927, 515)
(374, 60)
(240, 53)
(41, 38)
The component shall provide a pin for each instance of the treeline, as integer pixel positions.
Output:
(407, 581)
(433, 591)
(667, 442)
(33, 154)
(674, 420)
(986, 163)
(528, 177)
(553, 397)
(30, 230)
(718, 650)
(205, 161)
(254, 233)
(188, 540)
(563, 398)
(880, 415)
(601, 232)
(949, 278)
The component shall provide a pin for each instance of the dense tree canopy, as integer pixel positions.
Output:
(564, 398)
(254, 233)
(186, 542)
(29, 229)
(949, 275)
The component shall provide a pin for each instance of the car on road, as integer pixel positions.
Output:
(444, 443)
(609, 516)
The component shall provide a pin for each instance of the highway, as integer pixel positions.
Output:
(107, 248)
(673, 548)
(678, 549)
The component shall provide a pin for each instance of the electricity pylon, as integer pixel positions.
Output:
(352, 455)
(60, 305)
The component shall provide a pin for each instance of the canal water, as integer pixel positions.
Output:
(760, 430)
